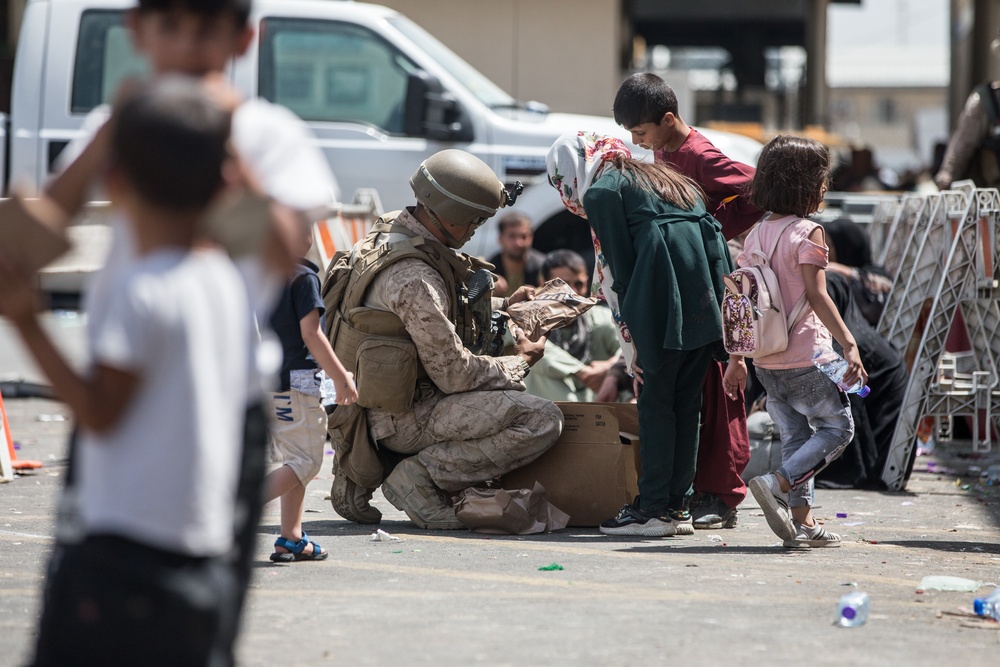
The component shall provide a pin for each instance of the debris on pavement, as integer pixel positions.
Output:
(381, 536)
(946, 583)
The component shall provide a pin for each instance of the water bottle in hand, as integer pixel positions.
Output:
(327, 391)
(988, 606)
(834, 366)
(852, 609)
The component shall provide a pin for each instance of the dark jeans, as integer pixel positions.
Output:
(669, 418)
(111, 601)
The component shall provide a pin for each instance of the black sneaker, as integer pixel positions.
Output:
(633, 521)
(711, 513)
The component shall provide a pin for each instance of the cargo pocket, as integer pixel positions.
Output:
(387, 374)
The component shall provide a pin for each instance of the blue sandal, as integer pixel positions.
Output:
(296, 549)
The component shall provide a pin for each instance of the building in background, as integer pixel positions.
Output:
(893, 99)
(762, 66)
(567, 54)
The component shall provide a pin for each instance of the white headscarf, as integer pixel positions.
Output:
(573, 163)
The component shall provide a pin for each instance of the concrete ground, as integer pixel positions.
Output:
(727, 597)
(436, 598)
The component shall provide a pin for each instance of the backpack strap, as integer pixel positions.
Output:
(799, 309)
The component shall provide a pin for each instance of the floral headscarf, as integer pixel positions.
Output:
(574, 161)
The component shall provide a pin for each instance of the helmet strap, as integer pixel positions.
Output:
(449, 239)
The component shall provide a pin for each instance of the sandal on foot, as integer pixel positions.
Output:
(296, 550)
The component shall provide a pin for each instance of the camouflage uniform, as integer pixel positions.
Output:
(475, 423)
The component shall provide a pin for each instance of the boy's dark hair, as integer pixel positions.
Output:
(240, 9)
(512, 220)
(790, 174)
(643, 98)
(558, 259)
(170, 141)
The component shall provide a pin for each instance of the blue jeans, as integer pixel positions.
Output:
(814, 417)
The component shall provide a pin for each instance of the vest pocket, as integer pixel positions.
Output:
(387, 373)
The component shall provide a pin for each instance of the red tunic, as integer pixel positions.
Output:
(720, 178)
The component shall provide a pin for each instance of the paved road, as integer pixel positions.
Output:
(730, 597)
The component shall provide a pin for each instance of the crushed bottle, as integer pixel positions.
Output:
(853, 609)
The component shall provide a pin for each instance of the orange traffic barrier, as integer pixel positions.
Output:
(14, 462)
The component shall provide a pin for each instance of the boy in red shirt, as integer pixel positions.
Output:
(647, 107)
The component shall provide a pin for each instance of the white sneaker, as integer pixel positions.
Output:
(774, 503)
(815, 536)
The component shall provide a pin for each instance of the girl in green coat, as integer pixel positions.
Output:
(661, 258)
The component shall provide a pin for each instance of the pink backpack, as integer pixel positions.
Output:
(753, 324)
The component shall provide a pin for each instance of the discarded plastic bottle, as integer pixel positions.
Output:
(834, 366)
(988, 606)
(852, 609)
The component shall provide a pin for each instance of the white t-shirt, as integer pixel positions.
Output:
(277, 147)
(166, 474)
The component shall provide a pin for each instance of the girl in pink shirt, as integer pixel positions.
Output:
(810, 410)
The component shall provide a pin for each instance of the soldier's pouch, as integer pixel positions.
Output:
(353, 447)
(387, 373)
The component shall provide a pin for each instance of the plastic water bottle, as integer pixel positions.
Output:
(989, 605)
(834, 366)
(852, 609)
(327, 391)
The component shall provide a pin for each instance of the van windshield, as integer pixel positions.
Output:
(488, 92)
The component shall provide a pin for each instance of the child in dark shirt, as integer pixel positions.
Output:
(298, 423)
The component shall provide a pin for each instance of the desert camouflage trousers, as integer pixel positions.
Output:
(467, 438)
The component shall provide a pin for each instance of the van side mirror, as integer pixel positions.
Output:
(433, 112)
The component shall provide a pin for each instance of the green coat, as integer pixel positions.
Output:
(667, 265)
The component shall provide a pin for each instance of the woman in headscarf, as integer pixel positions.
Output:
(660, 262)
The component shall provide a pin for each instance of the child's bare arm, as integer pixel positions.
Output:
(319, 347)
(734, 379)
(70, 189)
(98, 400)
(826, 310)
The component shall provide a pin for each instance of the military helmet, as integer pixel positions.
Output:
(458, 187)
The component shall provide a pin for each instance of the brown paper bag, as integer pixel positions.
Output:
(31, 233)
(514, 512)
(555, 305)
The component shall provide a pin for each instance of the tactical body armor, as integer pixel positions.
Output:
(984, 167)
(373, 343)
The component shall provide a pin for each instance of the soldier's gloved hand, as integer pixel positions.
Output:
(530, 351)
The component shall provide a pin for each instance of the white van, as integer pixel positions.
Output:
(379, 92)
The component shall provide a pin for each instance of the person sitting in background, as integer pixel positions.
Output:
(517, 263)
(875, 417)
(617, 386)
(577, 357)
(851, 257)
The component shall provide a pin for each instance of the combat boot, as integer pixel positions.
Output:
(350, 500)
(410, 488)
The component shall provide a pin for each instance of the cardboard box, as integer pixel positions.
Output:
(590, 472)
